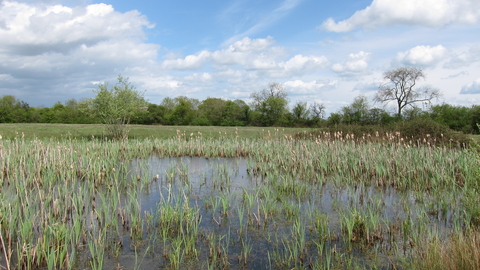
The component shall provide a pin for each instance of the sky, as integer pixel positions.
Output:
(324, 51)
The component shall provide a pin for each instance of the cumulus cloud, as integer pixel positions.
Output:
(356, 64)
(29, 29)
(55, 49)
(160, 84)
(191, 62)
(202, 77)
(248, 44)
(300, 87)
(251, 55)
(471, 88)
(429, 13)
(422, 56)
(254, 53)
(299, 63)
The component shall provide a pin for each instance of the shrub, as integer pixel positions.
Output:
(423, 130)
(418, 131)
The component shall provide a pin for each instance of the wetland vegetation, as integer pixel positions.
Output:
(275, 201)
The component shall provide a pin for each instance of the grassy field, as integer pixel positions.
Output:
(42, 131)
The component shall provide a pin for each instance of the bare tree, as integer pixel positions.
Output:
(318, 110)
(402, 89)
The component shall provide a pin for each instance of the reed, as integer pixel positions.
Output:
(460, 252)
(325, 199)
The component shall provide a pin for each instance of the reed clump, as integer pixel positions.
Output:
(458, 253)
(414, 133)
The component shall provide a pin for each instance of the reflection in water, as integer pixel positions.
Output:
(268, 221)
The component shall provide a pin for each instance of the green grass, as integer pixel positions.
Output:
(476, 138)
(42, 131)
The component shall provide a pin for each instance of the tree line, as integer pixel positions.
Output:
(123, 104)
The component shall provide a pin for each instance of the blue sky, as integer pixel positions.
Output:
(321, 51)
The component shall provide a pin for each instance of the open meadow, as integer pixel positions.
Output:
(234, 198)
(47, 131)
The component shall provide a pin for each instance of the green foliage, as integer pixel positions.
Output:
(418, 131)
(116, 106)
(455, 117)
(334, 119)
(475, 118)
(211, 109)
(422, 128)
(270, 105)
(184, 112)
(154, 115)
(235, 113)
(360, 113)
(300, 114)
(13, 110)
(356, 112)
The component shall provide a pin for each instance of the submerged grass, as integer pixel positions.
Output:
(76, 203)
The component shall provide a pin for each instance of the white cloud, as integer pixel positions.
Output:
(252, 55)
(191, 62)
(248, 44)
(355, 64)
(422, 56)
(300, 87)
(262, 62)
(32, 29)
(299, 63)
(465, 58)
(200, 77)
(56, 51)
(236, 94)
(471, 88)
(429, 13)
(119, 50)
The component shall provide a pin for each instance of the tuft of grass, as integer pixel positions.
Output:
(460, 252)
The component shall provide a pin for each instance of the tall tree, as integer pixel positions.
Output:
(211, 110)
(300, 113)
(235, 113)
(402, 89)
(184, 112)
(357, 112)
(116, 106)
(317, 110)
(13, 110)
(271, 104)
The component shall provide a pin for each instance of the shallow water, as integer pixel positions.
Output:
(303, 231)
